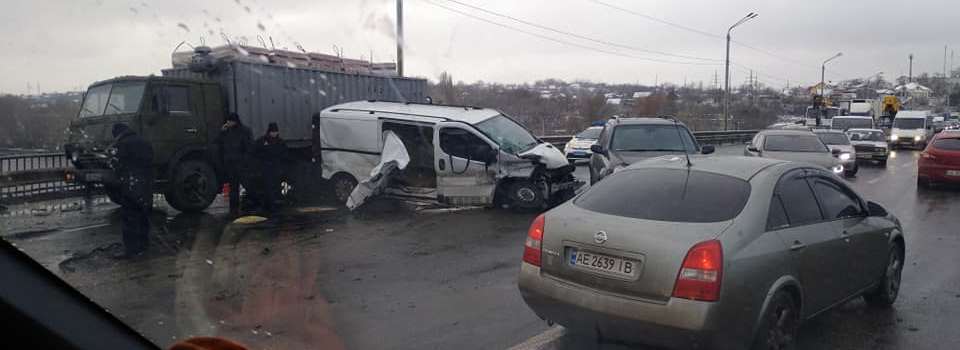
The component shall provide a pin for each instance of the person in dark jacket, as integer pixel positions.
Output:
(234, 145)
(272, 153)
(133, 165)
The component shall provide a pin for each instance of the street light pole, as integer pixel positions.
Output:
(400, 38)
(726, 79)
(823, 74)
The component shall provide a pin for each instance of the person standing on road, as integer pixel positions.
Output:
(234, 145)
(133, 165)
(271, 151)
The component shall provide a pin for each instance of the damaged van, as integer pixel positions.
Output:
(458, 155)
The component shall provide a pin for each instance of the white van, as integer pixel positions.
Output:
(911, 128)
(458, 155)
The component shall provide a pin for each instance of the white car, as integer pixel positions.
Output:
(870, 144)
(579, 146)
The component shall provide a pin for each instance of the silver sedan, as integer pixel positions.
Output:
(729, 252)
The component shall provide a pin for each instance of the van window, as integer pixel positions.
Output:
(463, 144)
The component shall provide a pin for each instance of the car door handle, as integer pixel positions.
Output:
(797, 245)
(442, 165)
(190, 130)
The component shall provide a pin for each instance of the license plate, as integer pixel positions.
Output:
(93, 177)
(604, 264)
(953, 172)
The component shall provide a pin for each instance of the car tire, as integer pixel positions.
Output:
(525, 195)
(851, 172)
(888, 287)
(193, 186)
(343, 184)
(883, 162)
(779, 324)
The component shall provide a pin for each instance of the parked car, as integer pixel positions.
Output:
(579, 146)
(940, 161)
(730, 252)
(794, 145)
(912, 128)
(869, 144)
(624, 141)
(836, 140)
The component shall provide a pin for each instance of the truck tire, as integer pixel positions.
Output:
(343, 184)
(192, 187)
(525, 195)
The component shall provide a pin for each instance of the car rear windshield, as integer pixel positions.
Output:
(793, 143)
(951, 144)
(831, 138)
(675, 195)
(652, 138)
(591, 134)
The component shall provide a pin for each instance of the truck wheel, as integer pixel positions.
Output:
(192, 187)
(113, 193)
(525, 195)
(343, 184)
(851, 172)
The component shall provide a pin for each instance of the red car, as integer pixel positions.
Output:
(940, 161)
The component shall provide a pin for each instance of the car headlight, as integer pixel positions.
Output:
(844, 156)
(838, 169)
(917, 138)
(894, 137)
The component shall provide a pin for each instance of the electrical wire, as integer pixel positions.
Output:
(582, 37)
(545, 37)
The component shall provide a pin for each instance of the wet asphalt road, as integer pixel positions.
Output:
(395, 278)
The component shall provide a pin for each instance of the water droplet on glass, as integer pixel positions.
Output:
(264, 59)
(291, 65)
(261, 27)
(247, 8)
(242, 51)
(312, 81)
(183, 26)
(209, 262)
(322, 93)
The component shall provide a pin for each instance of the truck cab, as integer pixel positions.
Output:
(178, 117)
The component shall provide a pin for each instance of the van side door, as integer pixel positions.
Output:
(466, 165)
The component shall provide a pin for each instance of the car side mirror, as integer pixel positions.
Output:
(855, 137)
(752, 148)
(875, 209)
(835, 152)
(595, 148)
(492, 156)
(707, 149)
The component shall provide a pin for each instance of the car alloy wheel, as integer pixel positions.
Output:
(779, 324)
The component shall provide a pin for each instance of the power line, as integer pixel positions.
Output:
(545, 37)
(579, 36)
(701, 32)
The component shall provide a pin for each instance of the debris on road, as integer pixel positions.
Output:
(250, 219)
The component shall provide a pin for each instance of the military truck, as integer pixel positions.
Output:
(181, 113)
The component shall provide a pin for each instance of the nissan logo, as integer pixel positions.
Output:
(600, 237)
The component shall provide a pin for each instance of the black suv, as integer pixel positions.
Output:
(624, 141)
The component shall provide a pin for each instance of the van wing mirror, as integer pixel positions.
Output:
(835, 151)
(596, 148)
(707, 149)
(753, 149)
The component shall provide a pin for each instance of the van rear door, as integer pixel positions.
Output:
(466, 165)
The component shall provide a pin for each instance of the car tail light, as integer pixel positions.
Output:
(701, 272)
(532, 248)
(928, 156)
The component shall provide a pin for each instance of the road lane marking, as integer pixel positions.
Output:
(540, 340)
(874, 180)
(906, 165)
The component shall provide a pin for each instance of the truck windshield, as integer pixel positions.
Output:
(510, 136)
(109, 99)
(908, 123)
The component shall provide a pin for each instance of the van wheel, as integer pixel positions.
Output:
(192, 187)
(779, 325)
(343, 184)
(525, 195)
(889, 286)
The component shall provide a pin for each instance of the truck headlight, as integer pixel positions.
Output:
(837, 169)
(917, 138)
(894, 137)
(844, 156)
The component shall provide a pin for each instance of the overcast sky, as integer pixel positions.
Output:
(68, 44)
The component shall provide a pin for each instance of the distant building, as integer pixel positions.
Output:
(914, 90)
(642, 94)
(614, 101)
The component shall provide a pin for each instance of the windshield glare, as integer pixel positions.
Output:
(834, 138)
(639, 138)
(510, 136)
(793, 143)
(590, 134)
(110, 99)
(908, 123)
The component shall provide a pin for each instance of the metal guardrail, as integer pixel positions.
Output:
(28, 176)
(704, 137)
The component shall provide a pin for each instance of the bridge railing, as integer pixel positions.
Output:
(704, 137)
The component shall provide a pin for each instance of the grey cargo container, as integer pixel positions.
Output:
(265, 93)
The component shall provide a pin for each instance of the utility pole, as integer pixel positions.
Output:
(726, 79)
(400, 38)
(910, 76)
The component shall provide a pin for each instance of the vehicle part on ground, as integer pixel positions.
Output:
(393, 158)
(343, 184)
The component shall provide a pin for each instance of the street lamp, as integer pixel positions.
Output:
(823, 71)
(726, 89)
